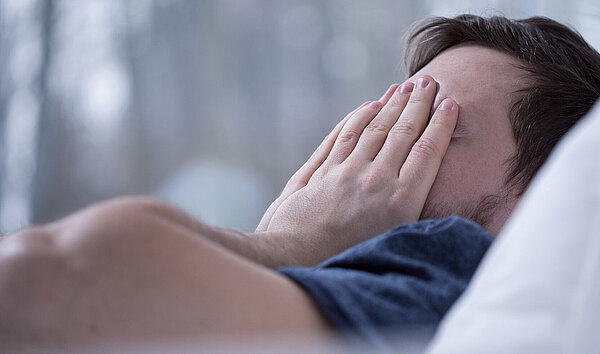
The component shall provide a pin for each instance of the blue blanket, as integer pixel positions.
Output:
(403, 279)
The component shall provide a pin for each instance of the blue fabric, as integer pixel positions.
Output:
(405, 278)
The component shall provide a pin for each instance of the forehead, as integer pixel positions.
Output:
(481, 80)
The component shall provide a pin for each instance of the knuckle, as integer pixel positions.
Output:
(373, 179)
(377, 128)
(398, 100)
(347, 137)
(370, 182)
(398, 197)
(401, 201)
(415, 99)
(427, 148)
(403, 128)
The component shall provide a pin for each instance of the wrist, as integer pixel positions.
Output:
(276, 248)
(291, 248)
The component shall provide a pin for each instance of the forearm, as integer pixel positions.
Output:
(271, 249)
(120, 214)
(247, 245)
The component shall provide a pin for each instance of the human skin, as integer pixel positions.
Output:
(475, 165)
(473, 170)
(136, 268)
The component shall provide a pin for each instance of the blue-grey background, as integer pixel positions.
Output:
(210, 104)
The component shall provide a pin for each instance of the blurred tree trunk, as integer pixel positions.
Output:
(41, 181)
(136, 146)
(4, 50)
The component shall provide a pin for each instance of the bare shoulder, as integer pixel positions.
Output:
(130, 269)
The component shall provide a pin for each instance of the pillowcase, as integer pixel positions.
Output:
(538, 288)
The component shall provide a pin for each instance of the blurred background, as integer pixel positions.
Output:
(209, 104)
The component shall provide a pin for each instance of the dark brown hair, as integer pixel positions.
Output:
(564, 74)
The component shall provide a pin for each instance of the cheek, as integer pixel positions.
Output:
(447, 185)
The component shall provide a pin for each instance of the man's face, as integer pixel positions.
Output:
(471, 179)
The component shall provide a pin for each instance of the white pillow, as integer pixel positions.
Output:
(538, 288)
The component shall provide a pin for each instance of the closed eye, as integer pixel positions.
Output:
(460, 131)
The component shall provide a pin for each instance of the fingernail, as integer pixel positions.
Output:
(446, 105)
(423, 82)
(405, 88)
(389, 91)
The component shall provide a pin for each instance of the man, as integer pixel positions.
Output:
(486, 102)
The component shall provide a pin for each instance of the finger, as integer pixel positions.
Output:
(350, 133)
(385, 98)
(302, 176)
(422, 164)
(388, 94)
(304, 173)
(409, 126)
(375, 134)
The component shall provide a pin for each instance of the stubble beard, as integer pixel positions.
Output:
(482, 211)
